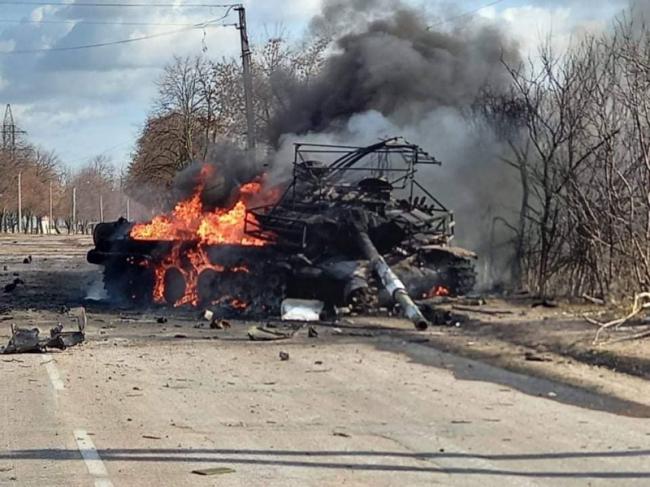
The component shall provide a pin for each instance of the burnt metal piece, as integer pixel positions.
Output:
(28, 340)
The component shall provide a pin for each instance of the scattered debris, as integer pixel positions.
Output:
(151, 437)
(28, 340)
(532, 357)
(220, 324)
(301, 309)
(161, 320)
(341, 434)
(208, 315)
(267, 333)
(312, 332)
(27, 260)
(440, 317)
(284, 356)
(214, 471)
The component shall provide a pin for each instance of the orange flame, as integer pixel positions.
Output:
(437, 291)
(189, 221)
(238, 304)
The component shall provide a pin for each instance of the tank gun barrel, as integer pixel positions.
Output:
(391, 282)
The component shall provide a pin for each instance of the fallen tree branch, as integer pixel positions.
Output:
(637, 307)
(635, 336)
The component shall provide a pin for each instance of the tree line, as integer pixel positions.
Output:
(576, 128)
(36, 184)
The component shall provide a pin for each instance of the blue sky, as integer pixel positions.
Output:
(94, 101)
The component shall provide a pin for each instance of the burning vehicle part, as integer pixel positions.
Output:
(354, 227)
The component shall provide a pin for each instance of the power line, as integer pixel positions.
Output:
(203, 25)
(92, 22)
(469, 13)
(120, 5)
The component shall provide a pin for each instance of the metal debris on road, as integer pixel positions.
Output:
(28, 340)
(214, 471)
(284, 356)
(266, 333)
(220, 324)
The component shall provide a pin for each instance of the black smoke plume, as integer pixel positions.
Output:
(390, 61)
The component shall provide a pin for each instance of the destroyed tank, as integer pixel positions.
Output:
(353, 228)
(339, 191)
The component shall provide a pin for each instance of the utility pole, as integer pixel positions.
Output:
(51, 221)
(128, 208)
(74, 210)
(101, 208)
(248, 79)
(20, 203)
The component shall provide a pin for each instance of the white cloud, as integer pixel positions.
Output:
(40, 13)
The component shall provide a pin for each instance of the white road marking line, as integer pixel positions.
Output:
(91, 458)
(53, 373)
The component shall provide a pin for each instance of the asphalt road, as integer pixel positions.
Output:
(136, 406)
(144, 404)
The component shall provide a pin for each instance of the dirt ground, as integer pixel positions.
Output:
(369, 401)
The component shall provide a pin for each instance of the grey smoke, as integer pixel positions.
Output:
(394, 65)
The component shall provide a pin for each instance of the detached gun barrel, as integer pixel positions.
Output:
(391, 282)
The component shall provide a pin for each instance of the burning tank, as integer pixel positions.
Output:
(354, 227)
